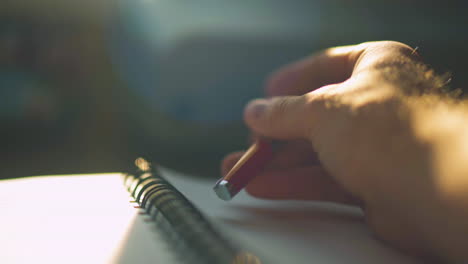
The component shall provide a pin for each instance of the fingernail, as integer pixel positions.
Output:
(256, 108)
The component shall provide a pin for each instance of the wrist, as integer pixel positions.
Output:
(442, 123)
(440, 186)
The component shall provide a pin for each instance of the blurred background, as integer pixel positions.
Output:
(86, 86)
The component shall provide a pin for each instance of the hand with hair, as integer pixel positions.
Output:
(370, 125)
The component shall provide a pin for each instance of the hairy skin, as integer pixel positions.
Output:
(386, 139)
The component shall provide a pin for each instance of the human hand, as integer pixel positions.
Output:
(349, 137)
(305, 87)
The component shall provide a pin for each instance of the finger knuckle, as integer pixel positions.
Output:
(279, 110)
(396, 48)
(282, 105)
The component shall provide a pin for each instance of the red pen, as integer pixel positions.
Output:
(249, 165)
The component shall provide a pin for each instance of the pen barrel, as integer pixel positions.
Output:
(250, 165)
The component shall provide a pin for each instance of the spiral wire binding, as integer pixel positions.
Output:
(190, 234)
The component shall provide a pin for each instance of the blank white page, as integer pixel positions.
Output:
(74, 219)
(88, 219)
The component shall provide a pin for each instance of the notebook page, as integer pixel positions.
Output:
(289, 231)
(70, 219)
(75, 219)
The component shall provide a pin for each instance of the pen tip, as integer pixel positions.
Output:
(222, 190)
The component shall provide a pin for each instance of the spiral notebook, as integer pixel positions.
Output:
(156, 215)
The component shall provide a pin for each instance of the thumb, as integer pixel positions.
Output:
(284, 117)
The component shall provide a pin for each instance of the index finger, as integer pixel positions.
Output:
(333, 65)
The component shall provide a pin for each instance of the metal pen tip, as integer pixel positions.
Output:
(222, 190)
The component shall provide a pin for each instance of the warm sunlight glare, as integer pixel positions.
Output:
(64, 219)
